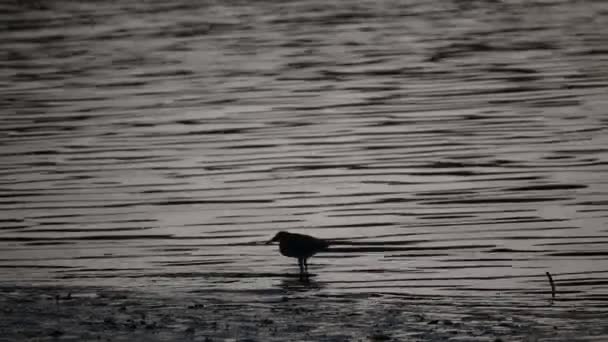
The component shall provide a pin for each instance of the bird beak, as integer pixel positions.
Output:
(274, 238)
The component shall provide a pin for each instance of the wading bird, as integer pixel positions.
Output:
(299, 246)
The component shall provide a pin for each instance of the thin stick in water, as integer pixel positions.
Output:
(552, 284)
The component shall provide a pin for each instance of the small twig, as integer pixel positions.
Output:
(552, 284)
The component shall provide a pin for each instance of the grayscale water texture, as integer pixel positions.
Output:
(459, 148)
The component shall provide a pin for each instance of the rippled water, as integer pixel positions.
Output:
(459, 147)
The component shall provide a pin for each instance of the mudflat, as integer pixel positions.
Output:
(297, 312)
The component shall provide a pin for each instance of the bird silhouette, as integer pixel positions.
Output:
(299, 246)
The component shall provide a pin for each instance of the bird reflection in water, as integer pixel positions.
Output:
(292, 284)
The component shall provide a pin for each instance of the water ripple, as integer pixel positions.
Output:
(455, 148)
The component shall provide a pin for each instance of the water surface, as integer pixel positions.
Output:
(460, 146)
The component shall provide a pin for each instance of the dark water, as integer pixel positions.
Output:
(460, 146)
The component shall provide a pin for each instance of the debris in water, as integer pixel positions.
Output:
(552, 284)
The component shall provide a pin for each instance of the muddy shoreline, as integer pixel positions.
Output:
(55, 313)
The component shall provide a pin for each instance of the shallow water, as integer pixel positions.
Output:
(459, 146)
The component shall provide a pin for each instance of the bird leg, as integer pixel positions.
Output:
(301, 264)
(306, 275)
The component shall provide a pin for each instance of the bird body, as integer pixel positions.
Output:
(299, 246)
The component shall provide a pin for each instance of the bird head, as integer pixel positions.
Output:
(277, 237)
